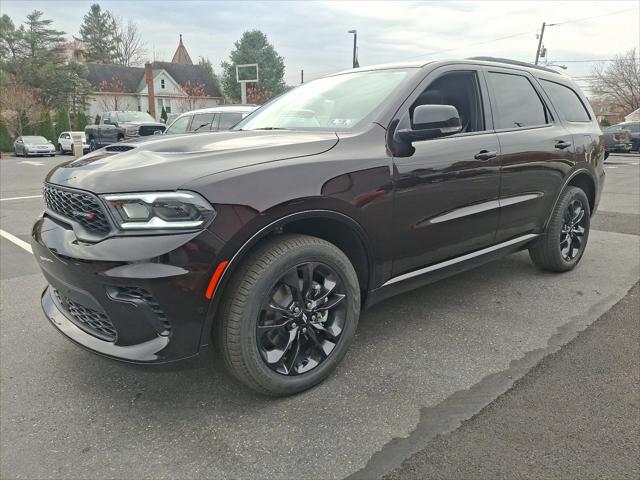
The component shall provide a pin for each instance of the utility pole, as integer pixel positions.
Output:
(540, 43)
(355, 47)
(301, 77)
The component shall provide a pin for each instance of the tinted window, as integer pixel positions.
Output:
(228, 120)
(179, 126)
(517, 104)
(634, 127)
(567, 101)
(201, 122)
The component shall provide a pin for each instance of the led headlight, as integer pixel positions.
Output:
(159, 210)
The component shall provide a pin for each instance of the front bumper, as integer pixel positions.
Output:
(137, 299)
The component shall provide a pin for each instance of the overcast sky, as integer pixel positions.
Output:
(313, 35)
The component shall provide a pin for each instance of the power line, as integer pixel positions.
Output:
(596, 16)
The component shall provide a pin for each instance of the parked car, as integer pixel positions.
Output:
(210, 119)
(65, 142)
(31, 145)
(634, 129)
(269, 239)
(117, 126)
(617, 139)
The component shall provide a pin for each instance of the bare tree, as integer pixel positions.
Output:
(111, 95)
(195, 96)
(619, 82)
(21, 107)
(130, 49)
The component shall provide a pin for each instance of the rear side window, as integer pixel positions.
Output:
(228, 120)
(567, 101)
(516, 102)
(202, 122)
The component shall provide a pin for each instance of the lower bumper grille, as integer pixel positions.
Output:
(150, 130)
(138, 295)
(91, 321)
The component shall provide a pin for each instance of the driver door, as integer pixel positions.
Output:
(446, 191)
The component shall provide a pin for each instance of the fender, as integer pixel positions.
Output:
(239, 255)
(566, 181)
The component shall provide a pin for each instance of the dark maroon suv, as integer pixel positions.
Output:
(269, 240)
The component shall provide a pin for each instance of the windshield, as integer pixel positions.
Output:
(134, 117)
(339, 102)
(34, 139)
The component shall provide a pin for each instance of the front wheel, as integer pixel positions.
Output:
(93, 145)
(564, 243)
(289, 314)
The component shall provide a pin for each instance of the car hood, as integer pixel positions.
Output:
(138, 123)
(169, 162)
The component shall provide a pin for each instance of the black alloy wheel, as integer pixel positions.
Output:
(573, 228)
(302, 319)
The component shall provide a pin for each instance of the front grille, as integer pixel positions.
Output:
(118, 148)
(78, 206)
(150, 129)
(139, 294)
(91, 321)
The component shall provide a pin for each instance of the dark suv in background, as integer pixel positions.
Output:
(269, 239)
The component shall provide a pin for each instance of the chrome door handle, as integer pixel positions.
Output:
(484, 155)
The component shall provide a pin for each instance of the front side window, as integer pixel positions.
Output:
(516, 103)
(339, 102)
(567, 101)
(202, 122)
(179, 126)
(461, 90)
(228, 120)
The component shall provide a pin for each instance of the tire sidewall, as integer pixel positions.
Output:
(260, 291)
(555, 230)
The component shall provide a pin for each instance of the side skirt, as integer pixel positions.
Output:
(432, 273)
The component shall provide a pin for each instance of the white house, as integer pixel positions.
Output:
(178, 86)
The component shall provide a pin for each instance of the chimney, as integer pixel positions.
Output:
(148, 75)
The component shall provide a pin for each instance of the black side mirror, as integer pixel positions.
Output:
(429, 121)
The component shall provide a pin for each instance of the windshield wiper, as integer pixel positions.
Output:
(269, 128)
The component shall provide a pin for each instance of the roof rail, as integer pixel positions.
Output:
(514, 62)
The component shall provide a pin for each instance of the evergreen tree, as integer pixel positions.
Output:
(41, 40)
(80, 121)
(6, 145)
(62, 121)
(254, 47)
(164, 116)
(98, 34)
(45, 128)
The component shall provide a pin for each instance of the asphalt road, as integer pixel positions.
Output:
(421, 364)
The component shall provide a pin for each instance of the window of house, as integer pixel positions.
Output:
(517, 104)
(166, 103)
(162, 83)
(228, 120)
(202, 122)
(567, 101)
(460, 89)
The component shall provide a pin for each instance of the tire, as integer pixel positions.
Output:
(93, 146)
(562, 247)
(306, 363)
(60, 149)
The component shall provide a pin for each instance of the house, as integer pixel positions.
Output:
(633, 116)
(178, 86)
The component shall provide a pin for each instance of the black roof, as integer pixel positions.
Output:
(131, 77)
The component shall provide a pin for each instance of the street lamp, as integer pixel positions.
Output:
(355, 47)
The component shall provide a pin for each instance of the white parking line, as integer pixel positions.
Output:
(20, 198)
(30, 162)
(16, 240)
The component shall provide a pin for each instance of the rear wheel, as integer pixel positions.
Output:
(564, 243)
(289, 315)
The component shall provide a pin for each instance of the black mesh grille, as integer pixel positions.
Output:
(141, 294)
(118, 148)
(78, 206)
(91, 321)
(150, 129)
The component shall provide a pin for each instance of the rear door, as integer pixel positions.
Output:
(536, 150)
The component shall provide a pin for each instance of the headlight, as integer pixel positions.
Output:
(159, 210)
(132, 131)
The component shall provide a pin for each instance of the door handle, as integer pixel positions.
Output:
(484, 155)
(561, 145)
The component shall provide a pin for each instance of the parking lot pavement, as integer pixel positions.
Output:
(450, 348)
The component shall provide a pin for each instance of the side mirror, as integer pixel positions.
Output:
(429, 121)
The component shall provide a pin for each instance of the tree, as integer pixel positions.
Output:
(6, 144)
(11, 40)
(129, 49)
(619, 82)
(41, 40)
(195, 96)
(257, 94)
(208, 67)
(80, 121)
(254, 47)
(45, 127)
(163, 115)
(98, 33)
(62, 121)
(112, 95)
(21, 108)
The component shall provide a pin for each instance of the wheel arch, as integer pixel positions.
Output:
(582, 179)
(330, 225)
